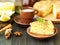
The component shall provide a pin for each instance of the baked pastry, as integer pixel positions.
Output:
(43, 8)
(56, 9)
(42, 28)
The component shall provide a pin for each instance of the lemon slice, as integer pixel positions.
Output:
(9, 12)
(4, 18)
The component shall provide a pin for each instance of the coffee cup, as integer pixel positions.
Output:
(26, 15)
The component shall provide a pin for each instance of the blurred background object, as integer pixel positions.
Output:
(23, 3)
(28, 3)
(7, 8)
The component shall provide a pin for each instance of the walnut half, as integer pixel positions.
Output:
(8, 33)
(17, 33)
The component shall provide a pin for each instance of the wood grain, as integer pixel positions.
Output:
(25, 39)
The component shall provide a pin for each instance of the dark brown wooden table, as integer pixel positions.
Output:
(25, 39)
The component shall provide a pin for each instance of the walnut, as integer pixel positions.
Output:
(17, 33)
(8, 33)
(7, 36)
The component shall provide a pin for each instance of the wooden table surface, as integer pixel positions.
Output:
(25, 39)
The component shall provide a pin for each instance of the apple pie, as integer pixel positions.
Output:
(56, 10)
(43, 8)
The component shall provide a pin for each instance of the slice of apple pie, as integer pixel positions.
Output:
(42, 28)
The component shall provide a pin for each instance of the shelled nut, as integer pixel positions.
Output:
(17, 33)
(8, 33)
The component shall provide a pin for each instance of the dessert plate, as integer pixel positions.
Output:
(51, 17)
(41, 36)
(17, 20)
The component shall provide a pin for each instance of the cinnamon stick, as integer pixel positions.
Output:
(6, 27)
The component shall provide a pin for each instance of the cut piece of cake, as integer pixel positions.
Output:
(42, 28)
(43, 8)
(56, 10)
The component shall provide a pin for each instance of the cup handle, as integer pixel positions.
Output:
(35, 11)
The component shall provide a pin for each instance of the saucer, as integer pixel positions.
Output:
(41, 36)
(17, 20)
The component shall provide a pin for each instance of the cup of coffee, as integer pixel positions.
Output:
(26, 15)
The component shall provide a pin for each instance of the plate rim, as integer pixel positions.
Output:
(20, 22)
(32, 35)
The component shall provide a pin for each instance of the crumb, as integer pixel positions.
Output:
(17, 33)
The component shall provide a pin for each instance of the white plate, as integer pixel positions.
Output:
(52, 18)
